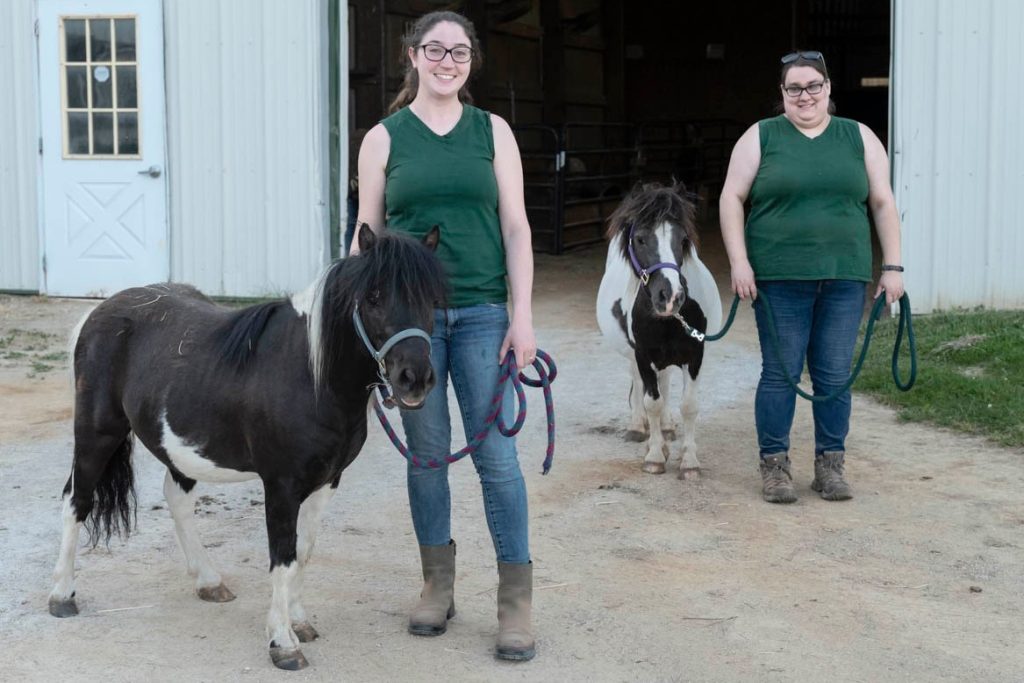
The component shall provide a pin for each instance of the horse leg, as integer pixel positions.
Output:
(654, 404)
(282, 509)
(181, 500)
(637, 430)
(62, 597)
(94, 449)
(689, 468)
(310, 513)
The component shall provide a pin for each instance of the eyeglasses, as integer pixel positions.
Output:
(796, 90)
(812, 55)
(437, 53)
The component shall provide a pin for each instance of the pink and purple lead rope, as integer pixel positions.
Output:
(545, 376)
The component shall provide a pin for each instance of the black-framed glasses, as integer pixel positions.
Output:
(436, 53)
(812, 55)
(811, 88)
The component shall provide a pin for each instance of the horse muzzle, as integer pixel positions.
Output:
(411, 383)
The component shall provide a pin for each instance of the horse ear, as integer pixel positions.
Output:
(367, 238)
(431, 239)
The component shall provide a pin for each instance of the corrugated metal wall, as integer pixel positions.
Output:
(19, 148)
(247, 138)
(958, 150)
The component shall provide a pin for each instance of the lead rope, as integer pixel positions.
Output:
(545, 376)
(876, 310)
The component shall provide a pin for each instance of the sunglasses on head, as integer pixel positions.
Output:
(812, 55)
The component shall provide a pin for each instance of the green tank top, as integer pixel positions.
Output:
(448, 181)
(808, 204)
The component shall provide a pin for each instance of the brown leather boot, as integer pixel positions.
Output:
(828, 476)
(437, 600)
(776, 481)
(515, 601)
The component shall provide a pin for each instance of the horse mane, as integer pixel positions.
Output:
(244, 328)
(650, 205)
(397, 264)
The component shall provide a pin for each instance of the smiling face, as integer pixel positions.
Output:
(805, 109)
(445, 78)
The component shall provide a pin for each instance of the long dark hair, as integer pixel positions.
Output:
(816, 64)
(412, 40)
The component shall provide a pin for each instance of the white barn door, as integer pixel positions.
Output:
(103, 135)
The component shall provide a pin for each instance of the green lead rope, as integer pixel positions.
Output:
(876, 310)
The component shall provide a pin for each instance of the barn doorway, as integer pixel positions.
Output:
(603, 93)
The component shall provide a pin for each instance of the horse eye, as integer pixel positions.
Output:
(373, 298)
(641, 241)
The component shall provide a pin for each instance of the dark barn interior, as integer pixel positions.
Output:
(605, 93)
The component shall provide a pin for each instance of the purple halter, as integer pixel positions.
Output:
(644, 273)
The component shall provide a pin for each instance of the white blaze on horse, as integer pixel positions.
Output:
(277, 391)
(656, 302)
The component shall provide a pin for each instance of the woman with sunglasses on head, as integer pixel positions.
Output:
(811, 179)
(437, 160)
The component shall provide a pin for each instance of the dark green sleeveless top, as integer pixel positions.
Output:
(808, 204)
(448, 180)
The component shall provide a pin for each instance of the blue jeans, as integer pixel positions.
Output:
(465, 346)
(817, 320)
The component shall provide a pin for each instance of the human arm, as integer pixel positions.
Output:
(373, 159)
(883, 211)
(743, 165)
(515, 233)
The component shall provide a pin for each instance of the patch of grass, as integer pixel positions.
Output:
(39, 368)
(970, 371)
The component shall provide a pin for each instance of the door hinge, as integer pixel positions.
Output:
(44, 264)
(40, 144)
(35, 28)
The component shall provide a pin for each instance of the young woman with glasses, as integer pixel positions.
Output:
(437, 160)
(812, 179)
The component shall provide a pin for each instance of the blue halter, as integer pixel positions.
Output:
(378, 356)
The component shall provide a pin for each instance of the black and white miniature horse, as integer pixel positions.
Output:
(656, 301)
(277, 391)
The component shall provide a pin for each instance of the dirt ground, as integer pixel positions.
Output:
(638, 577)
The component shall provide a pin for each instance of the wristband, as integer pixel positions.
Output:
(898, 269)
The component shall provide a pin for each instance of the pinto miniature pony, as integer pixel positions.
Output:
(276, 391)
(655, 303)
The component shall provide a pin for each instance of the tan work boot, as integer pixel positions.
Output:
(828, 477)
(776, 481)
(515, 601)
(437, 601)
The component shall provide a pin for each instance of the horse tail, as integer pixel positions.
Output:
(114, 499)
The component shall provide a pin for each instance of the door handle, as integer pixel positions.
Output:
(153, 171)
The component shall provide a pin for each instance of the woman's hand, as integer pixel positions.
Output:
(521, 340)
(891, 283)
(743, 280)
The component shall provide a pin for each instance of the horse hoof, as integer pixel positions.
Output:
(289, 660)
(63, 608)
(689, 473)
(634, 435)
(654, 467)
(218, 593)
(305, 632)
(668, 434)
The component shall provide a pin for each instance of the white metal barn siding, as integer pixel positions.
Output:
(958, 150)
(20, 265)
(247, 116)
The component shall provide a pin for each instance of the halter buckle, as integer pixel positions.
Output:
(645, 277)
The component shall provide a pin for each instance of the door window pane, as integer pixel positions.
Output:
(74, 40)
(77, 84)
(124, 30)
(99, 35)
(102, 95)
(127, 93)
(128, 133)
(78, 132)
(102, 133)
